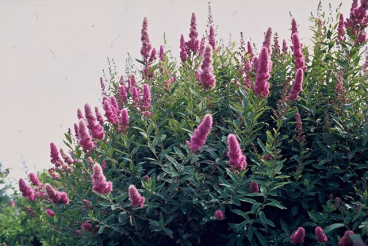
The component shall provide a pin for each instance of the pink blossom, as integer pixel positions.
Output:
(261, 85)
(80, 114)
(54, 154)
(341, 29)
(87, 203)
(50, 213)
(200, 134)
(298, 236)
(298, 54)
(253, 187)
(99, 182)
(250, 49)
(85, 140)
(99, 116)
(321, 237)
(294, 27)
(284, 46)
(56, 196)
(267, 40)
(146, 45)
(34, 179)
(135, 95)
(300, 137)
(183, 49)
(135, 198)
(123, 95)
(66, 158)
(122, 82)
(219, 215)
(110, 111)
(96, 129)
(297, 86)
(211, 38)
(162, 54)
(153, 55)
(76, 130)
(87, 226)
(208, 80)
(193, 43)
(146, 97)
(124, 121)
(25, 189)
(78, 232)
(346, 240)
(201, 46)
(237, 161)
(102, 86)
(255, 64)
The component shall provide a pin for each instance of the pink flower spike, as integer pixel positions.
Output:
(96, 129)
(297, 85)
(99, 116)
(87, 226)
(80, 114)
(87, 203)
(294, 27)
(153, 55)
(267, 40)
(162, 54)
(341, 29)
(56, 196)
(146, 45)
(193, 43)
(253, 187)
(34, 179)
(183, 49)
(135, 198)
(25, 189)
(298, 54)
(76, 130)
(100, 185)
(346, 240)
(298, 236)
(321, 237)
(237, 161)
(201, 46)
(85, 140)
(110, 111)
(219, 215)
(102, 86)
(284, 46)
(211, 38)
(207, 79)
(135, 95)
(146, 97)
(200, 134)
(250, 49)
(54, 154)
(124, 121)
(261, 85)
(50, 213)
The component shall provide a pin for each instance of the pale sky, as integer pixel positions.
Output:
(52, 54)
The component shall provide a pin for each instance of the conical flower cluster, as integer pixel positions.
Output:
(200, 134)
(99, 182)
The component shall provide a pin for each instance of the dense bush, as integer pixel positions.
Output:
(224, 147)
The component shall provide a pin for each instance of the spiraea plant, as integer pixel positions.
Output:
(224, 147)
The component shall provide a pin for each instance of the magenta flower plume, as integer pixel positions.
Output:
(146, 45)
(237, 161)
(298, 236)
(200, 134)
(56, 196)
(294, 27)
(102, 86)
(99, 116)
(80, 114)
(297, 51)
(321, 237)
(100, 185)
(211, 38)
(219, 215)
(76, 130)
(183, 49)
(208, 80)
(54, 154)
(153, 55)
(297, 86)
(284, 46)
(25, 189)
(110, 111)
(341, 29)
(253, 187)
(96, 129)
(123, 95)
(135, 198)
(162, 54)
(201, 46)
(261, 85)
(267, 40)
(87, 226)
(50, 213)
(146, 97)
(85, 140)
(124, 121)
(250, 50)
(34, 180)
(346, 240)
(66, 158)
(193, 43)
(135, 95)
(87, 203)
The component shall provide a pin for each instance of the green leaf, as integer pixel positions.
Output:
(332, 227)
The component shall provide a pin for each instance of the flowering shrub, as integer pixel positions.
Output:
(227, 147)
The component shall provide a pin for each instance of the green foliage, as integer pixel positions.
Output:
(314, 176)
